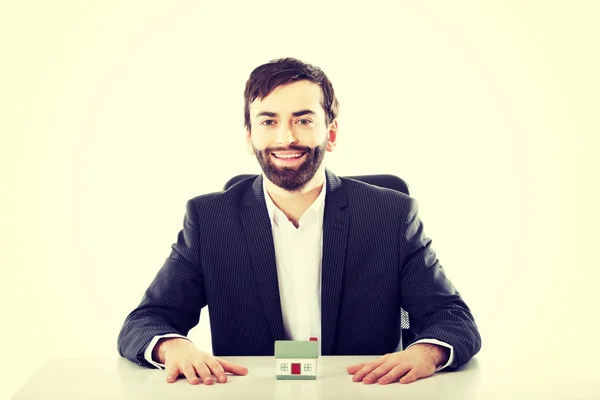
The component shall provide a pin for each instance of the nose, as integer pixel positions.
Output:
(285, 135)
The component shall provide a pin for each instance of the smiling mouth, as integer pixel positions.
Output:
(288, 156)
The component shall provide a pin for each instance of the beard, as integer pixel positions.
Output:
(291, 178)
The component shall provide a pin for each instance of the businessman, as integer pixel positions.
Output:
(300, 252)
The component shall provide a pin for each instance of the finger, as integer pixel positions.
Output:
(411, 376)
(216, 369)
(355, 368)
(367, 368)
(394, 374)
(203, 372)
(232, 367)
(378, 372)
(172, 372)
(190, 374)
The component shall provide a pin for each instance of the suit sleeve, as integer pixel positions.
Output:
(173, 301)
(435, 308)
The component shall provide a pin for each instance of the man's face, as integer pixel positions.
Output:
(289, 135)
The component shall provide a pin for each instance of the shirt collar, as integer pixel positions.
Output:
(315, 211)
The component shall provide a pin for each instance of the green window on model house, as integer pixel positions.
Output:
(283, 367)
(307, 367)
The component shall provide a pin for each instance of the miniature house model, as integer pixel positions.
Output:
(296, 359)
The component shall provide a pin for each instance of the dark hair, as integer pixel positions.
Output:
(265, 78)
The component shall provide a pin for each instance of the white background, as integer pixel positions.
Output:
(113, 114)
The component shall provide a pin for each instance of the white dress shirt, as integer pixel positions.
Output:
(298, 254)
(298, 258)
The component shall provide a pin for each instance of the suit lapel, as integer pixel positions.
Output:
(259, 236)
(335, 235)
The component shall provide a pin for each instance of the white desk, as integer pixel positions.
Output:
(118, 378)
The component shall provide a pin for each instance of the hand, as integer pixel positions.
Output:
(181, 357)
(418, 361)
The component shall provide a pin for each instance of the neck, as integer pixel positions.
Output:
(295, 203)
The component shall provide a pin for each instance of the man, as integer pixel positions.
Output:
(300, 252)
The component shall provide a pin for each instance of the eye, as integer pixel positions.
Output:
(304, 121)
(268, 122)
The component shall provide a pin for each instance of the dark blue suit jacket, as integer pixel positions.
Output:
(376, 259)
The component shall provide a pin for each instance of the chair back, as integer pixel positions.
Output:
(382, 180)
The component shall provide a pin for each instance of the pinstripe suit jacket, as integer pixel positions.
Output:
(376, 259)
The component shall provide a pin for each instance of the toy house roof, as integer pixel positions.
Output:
(296, 349)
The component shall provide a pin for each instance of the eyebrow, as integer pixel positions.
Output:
(295, 113)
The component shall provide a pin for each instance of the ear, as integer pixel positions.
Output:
(332, 136)
(249, 147)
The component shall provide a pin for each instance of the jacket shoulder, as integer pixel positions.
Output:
(356, 188)
(365, 197)
(233, 197)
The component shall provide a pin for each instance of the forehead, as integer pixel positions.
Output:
(299, 95)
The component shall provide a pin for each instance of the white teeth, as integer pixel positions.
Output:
(288, 156)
